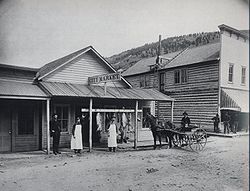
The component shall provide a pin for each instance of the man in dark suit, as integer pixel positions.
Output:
(55, 131)
(185, 121)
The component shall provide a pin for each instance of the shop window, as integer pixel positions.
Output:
(243, 75)
(145, 110)
(62, 112)
(162, 82)
(26, 120)
(230, 72)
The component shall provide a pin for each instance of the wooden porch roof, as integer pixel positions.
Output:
(80, 90)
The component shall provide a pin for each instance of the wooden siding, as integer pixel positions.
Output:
(199, 96)
(78, 71)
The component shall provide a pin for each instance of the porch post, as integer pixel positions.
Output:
(136, 125)
(48, 125)
(90, 123)
(172, 111)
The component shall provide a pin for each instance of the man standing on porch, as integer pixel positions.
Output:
(55, 131)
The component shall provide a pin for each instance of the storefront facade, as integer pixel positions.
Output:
(63, 87)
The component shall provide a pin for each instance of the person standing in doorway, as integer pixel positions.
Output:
(112, 135)
(216, 120)
(76, 140)
(55, 131)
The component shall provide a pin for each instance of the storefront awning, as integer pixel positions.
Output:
(9, 89)
(235, 100)
(79, 90)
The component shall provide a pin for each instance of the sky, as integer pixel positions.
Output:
(35, 32)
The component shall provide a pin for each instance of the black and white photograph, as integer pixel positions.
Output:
(128, 95)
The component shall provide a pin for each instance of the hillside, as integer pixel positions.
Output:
(128, 58)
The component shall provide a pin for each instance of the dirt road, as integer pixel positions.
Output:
(223, 165)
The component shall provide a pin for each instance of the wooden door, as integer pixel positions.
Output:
(5, 130)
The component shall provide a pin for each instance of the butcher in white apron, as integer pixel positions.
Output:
(76, 139)
(112, 135)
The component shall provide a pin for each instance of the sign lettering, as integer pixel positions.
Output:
(104, 78)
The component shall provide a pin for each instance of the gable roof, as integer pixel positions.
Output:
(54, 65)
(208, 52)
(192, 55)
(143, 65)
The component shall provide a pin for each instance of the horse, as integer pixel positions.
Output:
(151, 120)
(159, 131)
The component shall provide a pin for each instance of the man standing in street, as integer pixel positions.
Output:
(216, 120)
(55, 131)
(226, 123)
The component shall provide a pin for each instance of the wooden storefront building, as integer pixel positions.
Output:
(29, 97)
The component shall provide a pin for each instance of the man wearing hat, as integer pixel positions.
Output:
(55, 131)
(185, 121)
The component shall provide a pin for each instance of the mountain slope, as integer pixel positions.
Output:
(128, 58)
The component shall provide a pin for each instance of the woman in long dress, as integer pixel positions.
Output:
(112, 135)
(76, 139)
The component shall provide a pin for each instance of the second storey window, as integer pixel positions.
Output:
(243, 75)
(183, 75)
(147, 80)
(177, 76)
(162, 82)
(142, 81)
(180, 76)
(62, 112)
(230, 73)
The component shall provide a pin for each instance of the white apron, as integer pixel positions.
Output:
(76, 143)
(112, 142)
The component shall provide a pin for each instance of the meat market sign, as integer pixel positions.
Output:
(104, 78)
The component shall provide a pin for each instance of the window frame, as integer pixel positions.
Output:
(177, 77)
(243, 77)
(147, 80)
(61, 120)
(142, 81)
(162, 82)
(230, 74)
(182, 76)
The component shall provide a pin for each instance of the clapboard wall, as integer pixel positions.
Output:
(79, 69)
(198, 96)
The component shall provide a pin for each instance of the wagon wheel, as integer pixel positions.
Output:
(177, 140)
(198, 140)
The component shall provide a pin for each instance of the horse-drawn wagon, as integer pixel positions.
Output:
(194, 136)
